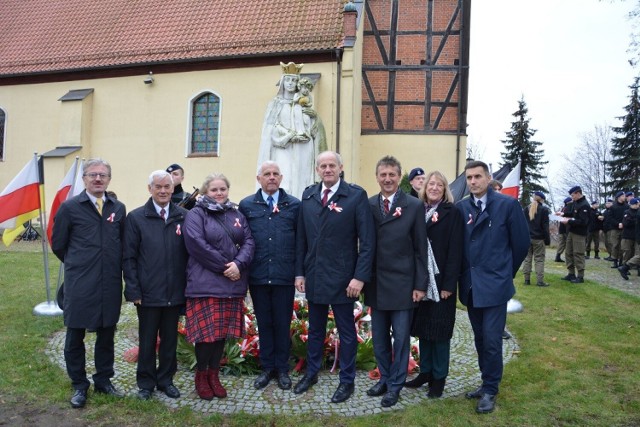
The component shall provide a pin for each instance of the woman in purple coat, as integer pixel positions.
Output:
(220, 246)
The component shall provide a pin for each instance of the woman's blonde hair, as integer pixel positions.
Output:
(533, 207)
(213, 177)
(446, 197)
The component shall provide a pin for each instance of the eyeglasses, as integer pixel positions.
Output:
(94, 175)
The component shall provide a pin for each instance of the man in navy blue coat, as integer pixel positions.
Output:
(273, 218)
(496, 243)
(335, 246)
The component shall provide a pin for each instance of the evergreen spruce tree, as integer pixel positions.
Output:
(521, 148)
(624, 166)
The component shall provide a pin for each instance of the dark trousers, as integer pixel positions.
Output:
(343, 314)
(273, 306)
(434, 358)
(154, 322)
(392, 364)
(488, 324)
(75, 357)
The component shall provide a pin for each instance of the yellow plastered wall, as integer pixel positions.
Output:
(139, 128)
(429, 152)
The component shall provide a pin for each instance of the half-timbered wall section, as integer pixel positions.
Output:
(414, 66)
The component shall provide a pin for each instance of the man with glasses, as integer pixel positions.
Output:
(87, 237)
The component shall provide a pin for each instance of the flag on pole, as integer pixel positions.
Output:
(78, 185)
(20, 201)
(64, 192)
(511, 184)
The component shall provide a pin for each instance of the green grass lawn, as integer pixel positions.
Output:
(578, 365)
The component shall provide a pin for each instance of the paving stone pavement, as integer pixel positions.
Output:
(243, 397)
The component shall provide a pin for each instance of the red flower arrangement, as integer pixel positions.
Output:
(242, 356)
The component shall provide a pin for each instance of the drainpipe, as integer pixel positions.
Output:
(338, 97)
(460, 88)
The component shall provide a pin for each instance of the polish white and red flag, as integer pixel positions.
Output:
(68, 188)
(20, 201)
(511, 184)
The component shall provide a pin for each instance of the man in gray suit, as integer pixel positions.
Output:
(399, 279)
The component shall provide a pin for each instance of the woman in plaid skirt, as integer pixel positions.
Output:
(220, 248)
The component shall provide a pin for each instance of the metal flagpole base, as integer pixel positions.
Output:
(514, 306)
(47, 308)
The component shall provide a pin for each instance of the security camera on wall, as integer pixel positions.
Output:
(149, 79)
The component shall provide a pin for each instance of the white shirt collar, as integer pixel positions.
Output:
(158, 208)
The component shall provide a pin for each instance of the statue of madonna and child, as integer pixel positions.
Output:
(292, 132)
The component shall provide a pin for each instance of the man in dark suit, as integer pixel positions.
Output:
(335, 246)
(155, 264)
(87, 237)
(496, 243)
(273, 217)
(399, 280)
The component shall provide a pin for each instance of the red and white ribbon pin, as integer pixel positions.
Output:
(178, 230)
(398, 211)
(237, 223)
(333, 206)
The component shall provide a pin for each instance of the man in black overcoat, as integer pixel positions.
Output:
(335, 246)
(87, 237)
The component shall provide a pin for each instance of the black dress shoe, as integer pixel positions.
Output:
(474, 394)
(263, 380)
(144, 394)
(389, 399)
(569, 277)
(343, 392)
(110, 390)
(624, 271)
(578, 280)
(421, 379)
(79, 399)
(378, 389)
(506, 335)
(170, 390)
(543, 284)
(305, 384)
(486, 404)
(284, 382)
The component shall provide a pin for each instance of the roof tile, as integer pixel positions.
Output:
(39, 36)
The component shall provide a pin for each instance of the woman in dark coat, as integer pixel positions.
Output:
(220, 246)
(434, 318)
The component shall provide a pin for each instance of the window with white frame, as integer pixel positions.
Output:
(205, 124)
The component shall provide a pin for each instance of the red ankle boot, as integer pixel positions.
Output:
(202, 385)
(214, 383)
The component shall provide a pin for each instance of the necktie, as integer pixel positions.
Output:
(385, 202)
(479, 203)
(325, 197)
(99, 203)
(270, 201)
(162, 214)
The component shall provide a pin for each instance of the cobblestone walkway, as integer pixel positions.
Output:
(242, 396)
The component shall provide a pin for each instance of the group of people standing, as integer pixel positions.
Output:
(409, 257)
(582, 224)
